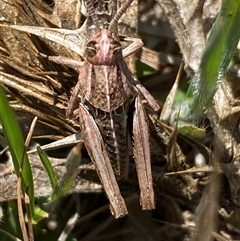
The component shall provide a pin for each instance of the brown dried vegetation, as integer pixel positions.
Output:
(192, 202)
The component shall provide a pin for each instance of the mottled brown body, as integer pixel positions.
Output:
(107, 90)
(108, 98)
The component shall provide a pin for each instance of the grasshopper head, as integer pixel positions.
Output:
(103, 49)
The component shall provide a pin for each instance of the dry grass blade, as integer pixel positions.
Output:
(67, 141)
(68, 38)
(167, 107)
(26, 197)
(29, 217)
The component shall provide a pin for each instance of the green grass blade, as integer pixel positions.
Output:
(48, 167)
(11, 222)
(73, 161)
(13, 135)
(220, 47)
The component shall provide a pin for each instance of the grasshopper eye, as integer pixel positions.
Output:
(91, 49)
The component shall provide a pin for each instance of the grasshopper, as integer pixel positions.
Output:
(108, 90)
(109, 96)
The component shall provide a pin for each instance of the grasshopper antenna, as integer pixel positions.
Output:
(115, 20)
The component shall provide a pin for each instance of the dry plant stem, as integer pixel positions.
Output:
(26, 197)
(19, 198)
(29, 223)
(20, 210)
